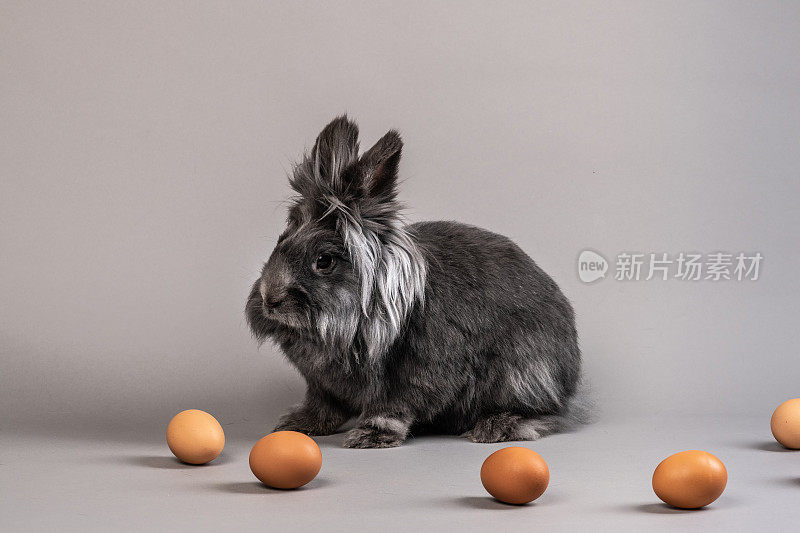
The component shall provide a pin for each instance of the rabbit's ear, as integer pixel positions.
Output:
(379, 165)
(335, 149)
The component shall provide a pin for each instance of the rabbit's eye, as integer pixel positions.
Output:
(324, 263)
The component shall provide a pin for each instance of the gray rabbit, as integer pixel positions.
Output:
(429, 327)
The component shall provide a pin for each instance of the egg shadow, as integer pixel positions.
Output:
(769, 446)
(662, 508)
(487, 502)
(256, 487)
(250, 487)
(791, 482)
(167, 462)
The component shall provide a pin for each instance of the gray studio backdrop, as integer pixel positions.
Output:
(144, 149)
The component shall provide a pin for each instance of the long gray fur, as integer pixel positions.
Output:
(431, 327)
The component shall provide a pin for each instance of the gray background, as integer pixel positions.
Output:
(143, 157)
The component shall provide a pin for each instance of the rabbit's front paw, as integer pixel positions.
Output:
(372, 438)
(377, 432)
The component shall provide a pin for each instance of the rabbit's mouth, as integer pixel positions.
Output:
(287, 316)
(284, 318)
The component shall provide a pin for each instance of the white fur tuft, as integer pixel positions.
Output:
(392, 274)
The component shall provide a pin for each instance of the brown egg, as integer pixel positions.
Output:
(785, 424)
(690, 479)
(515, 475)
(195, 437)
(285, 459)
